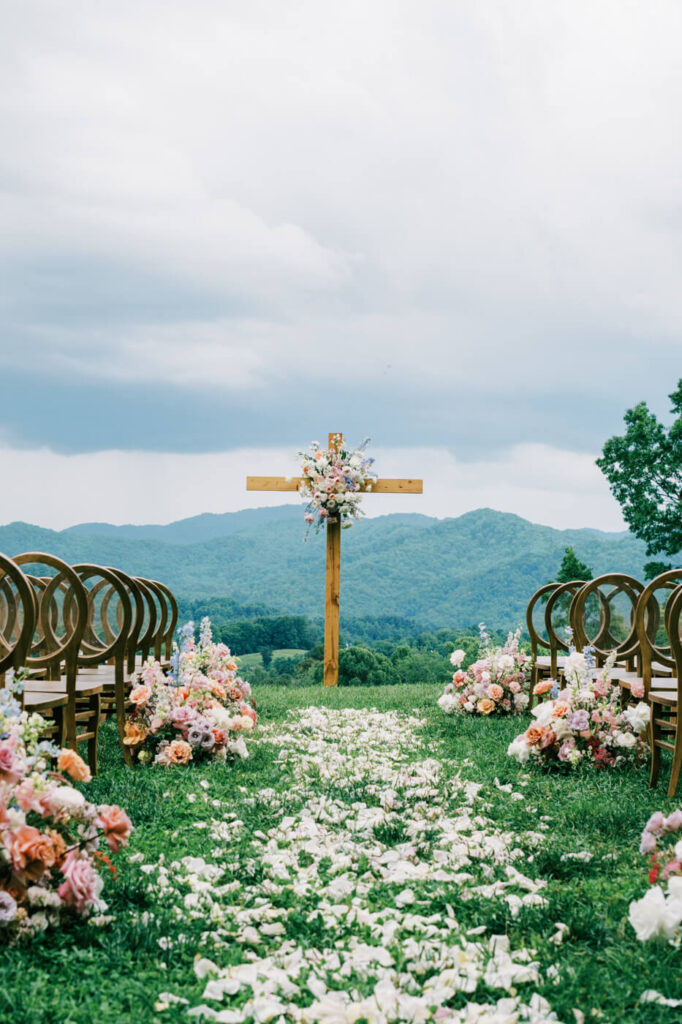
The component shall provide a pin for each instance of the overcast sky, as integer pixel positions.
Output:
(227, 228)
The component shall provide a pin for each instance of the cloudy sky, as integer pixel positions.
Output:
(229, 227)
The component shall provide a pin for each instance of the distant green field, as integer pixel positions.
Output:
(253, 660)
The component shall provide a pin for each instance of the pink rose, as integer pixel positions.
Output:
(82, 884)
(115, 824)
(655, 822)
(673, 821)
(637, 690)
(515, 686)
(11, 766)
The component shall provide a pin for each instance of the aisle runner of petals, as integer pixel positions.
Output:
(319, 918)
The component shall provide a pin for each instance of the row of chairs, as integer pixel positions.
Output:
(639, 623)
(81, 633)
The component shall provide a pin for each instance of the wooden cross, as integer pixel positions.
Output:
(333, 586)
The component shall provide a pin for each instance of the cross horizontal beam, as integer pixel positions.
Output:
(383, 485)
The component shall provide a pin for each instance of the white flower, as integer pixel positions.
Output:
(447, 703)
(637, 716)
(66, 798)
(655, 917)
(505, 663)
(519, 749)
(457, 657)
(626, 739)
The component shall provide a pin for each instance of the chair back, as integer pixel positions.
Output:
(17, 616)
(537, 640)
(148, 635)
(110, 615)
(61, 616)
(608, 590)
(172, 620)
(162, 612)
(559, 603)
(653, 624)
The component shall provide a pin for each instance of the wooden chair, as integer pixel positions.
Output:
(62, 613)
(103, 648)
(166, 646)
(541, 663)
(562, 594)
(665, 702)
(606, 590)
(652, 621)
(147, 634)
(17, 617)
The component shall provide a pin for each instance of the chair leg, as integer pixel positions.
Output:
(677, 764)
(95, 705)
(120, 688)
(654, 736)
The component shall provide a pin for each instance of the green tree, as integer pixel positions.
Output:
(572, 568)
(654, 569)
(644, 470)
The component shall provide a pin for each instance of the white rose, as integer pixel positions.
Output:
(654, 916)
(626, 739)
(66, 798)
(637, 716)
(519, 749)
(544, 712)
(447, 703)
(505, 663)
(246, 723)
(457, 657)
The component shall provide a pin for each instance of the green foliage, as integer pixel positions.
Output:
(654, 569)
(572, 568)
(644, 469)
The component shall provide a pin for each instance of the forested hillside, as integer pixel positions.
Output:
(453, 572)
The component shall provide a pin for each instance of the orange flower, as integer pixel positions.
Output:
(74, 765)
(178, 752)
(534, 734)
(32, 852)
(560, 709)
(495, 691)
(231, 666)
(235, 693)
(543, 687)
(115, 824)
(218, 690)
(140, 695)
(135, 734)
(485, 706)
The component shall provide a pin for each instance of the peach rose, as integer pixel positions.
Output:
(548, 739)
(115, 824)
(534, 734)
(560, 709)
(134, 734)
(178, 752)
(81, 884)
(235, 693)
(495, 691)
(32, 852)
(543, 687)
(485, 706)
(140, 695)
(218, 690)
(74, 765)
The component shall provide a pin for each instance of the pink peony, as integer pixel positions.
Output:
(81, 884)
(115, 824)
(515, 686)
(637, 690)
(673, 821)
(655, 822)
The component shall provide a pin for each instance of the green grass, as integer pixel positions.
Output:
(252, 660)
(80, 974)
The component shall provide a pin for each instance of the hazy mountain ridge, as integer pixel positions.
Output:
(481, 565)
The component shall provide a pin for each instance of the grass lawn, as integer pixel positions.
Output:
(82, 975)
(246, 661)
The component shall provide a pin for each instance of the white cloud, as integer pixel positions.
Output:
(540, 483)
(489, 192)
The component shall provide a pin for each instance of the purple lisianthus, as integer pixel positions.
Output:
(578, 721)
(8, 907)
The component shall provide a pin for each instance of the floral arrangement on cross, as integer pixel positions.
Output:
(332, 482)
(200, 711)
(495, 684)
(51, 835)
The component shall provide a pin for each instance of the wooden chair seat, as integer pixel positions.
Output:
(35, 701)
(545, 661)
(85, 687)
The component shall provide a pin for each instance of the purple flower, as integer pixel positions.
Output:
(578, 721)
(8, 907)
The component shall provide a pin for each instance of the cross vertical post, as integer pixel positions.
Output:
(333, 591)
(333, 581)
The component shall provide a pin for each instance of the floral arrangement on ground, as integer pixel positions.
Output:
(496, 683)
(658, 915)
(582, 721)
(201, 710)
(332, 483)
(50, 835)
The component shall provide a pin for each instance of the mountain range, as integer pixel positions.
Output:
(483, 565)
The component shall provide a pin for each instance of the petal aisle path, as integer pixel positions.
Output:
(343, 910)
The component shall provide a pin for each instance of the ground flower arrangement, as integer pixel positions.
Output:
(323, 917)
(497, 683)
(583, 723)
(54, 843)
(658, 915)
(201, 710)
(332, 481)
